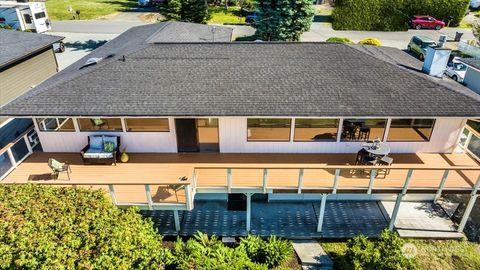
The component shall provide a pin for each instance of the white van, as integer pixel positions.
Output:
(25, 15)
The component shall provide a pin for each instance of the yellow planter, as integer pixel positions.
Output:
(124, 157)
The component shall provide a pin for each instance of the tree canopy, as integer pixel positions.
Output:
(195, 11)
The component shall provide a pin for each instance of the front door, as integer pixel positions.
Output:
(187, 137)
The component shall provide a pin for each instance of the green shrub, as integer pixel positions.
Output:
(340, 39)
(393, 15)
(370, 41)
(272, 252)
(47, 227)
(384, 253)
(248, 4)
(185, 10)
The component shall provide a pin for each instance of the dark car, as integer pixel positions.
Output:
(251, 17)
(420, 21)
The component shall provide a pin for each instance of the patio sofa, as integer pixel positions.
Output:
(101, 149)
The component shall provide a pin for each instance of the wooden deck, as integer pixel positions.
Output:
(162, 170)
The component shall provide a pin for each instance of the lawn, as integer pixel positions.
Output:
(221, 16)
(441, 254)
(89, 9)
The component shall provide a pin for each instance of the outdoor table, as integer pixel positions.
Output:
(382, 149)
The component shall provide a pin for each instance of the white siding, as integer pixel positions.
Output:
(472, 79)
(233, 139)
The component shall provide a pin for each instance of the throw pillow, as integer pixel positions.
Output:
(96, 142)
(108, 147)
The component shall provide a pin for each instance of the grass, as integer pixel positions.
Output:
(222, 16)
(89, 9)
(431, 254)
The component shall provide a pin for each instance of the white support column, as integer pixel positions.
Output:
(149, 197)
(249, 211)
(292, 130)
(76, 125)
(176, 219)
(340, 128)
(265, 179)
(387, 129)
(229, 180)
(440, 187)
(111, 190)
(27, 142)
(407, 181)
(395, 211)
(373, 174)
(335, 181)
(300, 180)
(124, 125)
(188, 195)
(471, 203)
(321, 214)
(11, 157)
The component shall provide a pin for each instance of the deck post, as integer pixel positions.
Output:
(321, 214)
(373, 174)
(176, 220)
(111, 190)
(11, 157)
(300, 180)
(407, 181)
(29, 146)
(471, 203)
(265, 177)
(229, 180)
(188, 194)
(149, 197)
(335, 181)
(396, 208)
(249, 211)
(440, 187)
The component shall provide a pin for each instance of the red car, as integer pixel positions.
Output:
(420, 21)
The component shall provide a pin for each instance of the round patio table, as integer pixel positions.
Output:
(381, 150)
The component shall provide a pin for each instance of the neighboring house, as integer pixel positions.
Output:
(25, 15)
(26, 60)
(216, 119)
(472, 76)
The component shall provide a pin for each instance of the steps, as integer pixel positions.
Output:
(312, 256)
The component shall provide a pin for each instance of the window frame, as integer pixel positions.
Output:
(125, 119)
(270, 141)
(37, 122)
(338, 120)
(415, 141)
(385, 127)
(99, 130)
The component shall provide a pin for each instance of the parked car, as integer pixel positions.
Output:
(419, 45)
(251, 17)
(475, 3)
(144, 3)
(418, 22)
(456, 70)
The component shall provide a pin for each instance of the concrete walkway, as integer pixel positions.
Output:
(312, 255)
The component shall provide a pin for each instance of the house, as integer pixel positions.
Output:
(472, 75)
(229, 120)
(25, 15)
(26, 60)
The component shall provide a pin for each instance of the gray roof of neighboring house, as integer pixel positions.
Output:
(474, 62)
(244, 79)
(15, 45)
(190, 32)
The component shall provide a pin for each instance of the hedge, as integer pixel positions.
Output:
(393, 15)
(47, 227)
(370, 41)
(340, 40)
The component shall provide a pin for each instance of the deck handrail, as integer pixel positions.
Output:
(333, 167)
(20, 137)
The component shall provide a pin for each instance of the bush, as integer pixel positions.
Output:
(272, 252)
(384, 253)
(393, 15)
(185, 10)
(47, 227)
(370, 41)
(340, 39)
(248, 4)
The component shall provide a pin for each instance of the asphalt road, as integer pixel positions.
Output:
(94, 26)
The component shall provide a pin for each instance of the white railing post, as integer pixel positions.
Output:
(249, 211)
(321, 214)
(11, 157)
(373, 174)
(265, 179)
(440, 187)
(407, 181)
(300, 180)
(396, 208)
(188, 195)
(27, 142)
(111, 190)
(176, 220)
(229, 180)
(471, 203)
(149, 197)
(335, 181)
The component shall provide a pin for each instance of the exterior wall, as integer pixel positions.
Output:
(19, 78)
(135, 142)
(472, 79)
(233, 139)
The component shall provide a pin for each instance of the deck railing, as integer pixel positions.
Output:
(17, 151)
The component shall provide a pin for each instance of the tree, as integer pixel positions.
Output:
(171, 9)
(47, 227)
(195, 11)
(283, 20)
(476, 31)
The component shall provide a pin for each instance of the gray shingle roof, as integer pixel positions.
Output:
(245, 79)
(15, 45)
(190, 32)
(474, 62)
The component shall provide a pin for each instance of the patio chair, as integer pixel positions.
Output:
(175, 188)
(58, 167)
(99, 123)
(364, 133)
(386, 161)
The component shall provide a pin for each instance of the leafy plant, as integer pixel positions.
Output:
(47, 227)
(340, 39)
(370, 41)
(273, 252)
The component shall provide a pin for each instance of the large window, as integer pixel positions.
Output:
(312, 130)
(408, 129)
(147, 124)
(100, 124)
(208, 134)
(55, 124)
(268, 130)
(363, 129)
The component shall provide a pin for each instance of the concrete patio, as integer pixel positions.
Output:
(298, 220)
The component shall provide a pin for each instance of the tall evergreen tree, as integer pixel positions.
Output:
(283, 20)
(195, 11)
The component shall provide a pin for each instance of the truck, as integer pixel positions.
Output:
(25, 15)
